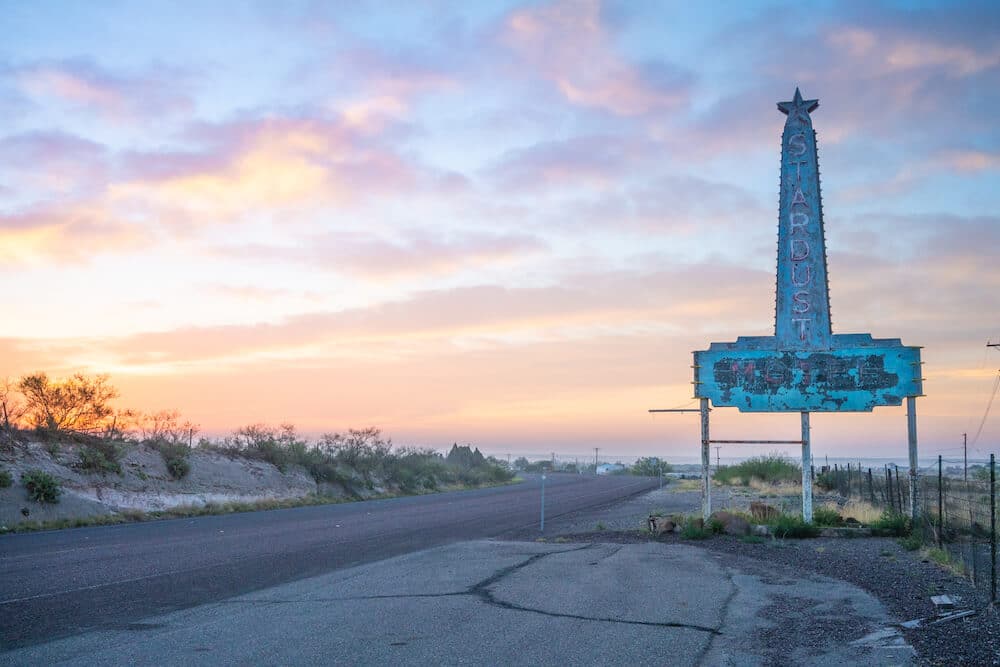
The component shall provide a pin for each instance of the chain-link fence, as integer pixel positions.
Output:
(957, 513)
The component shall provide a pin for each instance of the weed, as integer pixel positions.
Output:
(601, 526)
(716, 527)
(562, 540)
(826, 516)
(5, 479)
(794, 527)
(42, 487)
(178, 467)
(912, 542)
(891, 524)
(771, 468)
(101, 459)
(695, 530)
(943, 558)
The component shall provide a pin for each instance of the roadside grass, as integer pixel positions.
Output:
(891, 524)
(944, 559)
(212, 509)
(771, 469)
(765, 489)
(861, 510)
(786, 525)
(684, 485)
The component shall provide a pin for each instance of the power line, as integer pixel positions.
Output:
(989, 404)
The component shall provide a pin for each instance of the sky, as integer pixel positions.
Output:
(507, 224)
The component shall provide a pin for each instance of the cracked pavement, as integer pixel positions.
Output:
(495, 602)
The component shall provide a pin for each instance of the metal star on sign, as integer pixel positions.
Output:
(798, 107)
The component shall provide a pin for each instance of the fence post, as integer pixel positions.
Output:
(993, 529)
(940, 535)
(888, 488)
(899, 491)
(871, 486)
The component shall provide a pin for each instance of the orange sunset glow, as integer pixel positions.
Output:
(506, 224)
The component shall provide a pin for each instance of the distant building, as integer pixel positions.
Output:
(609, 468)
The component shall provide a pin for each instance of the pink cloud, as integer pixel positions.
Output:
(568, 44)
(53, 163)
(405, 256)
(268, 163)
(83, 84)
(71, 233)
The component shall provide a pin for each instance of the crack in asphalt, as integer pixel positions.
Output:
(482, 591)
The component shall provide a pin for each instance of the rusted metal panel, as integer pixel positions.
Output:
(804, 367)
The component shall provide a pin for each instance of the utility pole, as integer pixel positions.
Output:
(965, 455)
(596, 449)
(717, 465)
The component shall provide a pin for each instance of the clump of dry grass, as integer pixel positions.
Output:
(861, 510)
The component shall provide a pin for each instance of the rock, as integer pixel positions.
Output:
(662, 525)
(737, 526)
(760, 530)
(731, 523)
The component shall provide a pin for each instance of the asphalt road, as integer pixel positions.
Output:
(62, 583)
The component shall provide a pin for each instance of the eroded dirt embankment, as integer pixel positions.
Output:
(146, 485)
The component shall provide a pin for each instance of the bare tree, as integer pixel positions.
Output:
(78, 403)
(11, 406)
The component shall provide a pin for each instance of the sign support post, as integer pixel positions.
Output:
(911, 432)
(706, 470)
(807, 487)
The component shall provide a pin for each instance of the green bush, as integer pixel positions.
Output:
(911, 543)
(5, 479)
(772, 468)
(41, 486)
(101, 457)
(650, 466)
(175, 456)
(794, 527)
(891, 524)
(695, 530)
(178, 467)
(826, 516)
(716, 527)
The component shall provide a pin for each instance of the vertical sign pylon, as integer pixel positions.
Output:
(802, 304)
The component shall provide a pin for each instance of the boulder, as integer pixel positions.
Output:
(760, 530)
(662, 525)
(737, 526)
(731, 523)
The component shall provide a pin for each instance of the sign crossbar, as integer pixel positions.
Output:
(757, 442)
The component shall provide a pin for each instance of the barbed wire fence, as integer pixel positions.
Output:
(957, 510)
